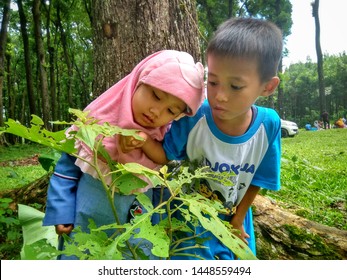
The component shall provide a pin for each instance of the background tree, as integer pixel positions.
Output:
(3, 37)
(321, 87)
(26, 50)
(127, 34)
(213, 13)
(40, 52)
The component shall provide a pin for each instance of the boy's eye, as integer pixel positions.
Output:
(211, 83)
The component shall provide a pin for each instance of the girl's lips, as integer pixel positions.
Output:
(147, 119)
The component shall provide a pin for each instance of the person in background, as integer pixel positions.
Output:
(162, 87)
(325, 119)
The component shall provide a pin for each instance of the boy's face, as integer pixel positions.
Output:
(233, 85)
(155, 108)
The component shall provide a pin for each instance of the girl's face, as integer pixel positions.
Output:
(155, 108)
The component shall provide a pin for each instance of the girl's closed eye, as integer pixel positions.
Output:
(155, 95)
(235, 87)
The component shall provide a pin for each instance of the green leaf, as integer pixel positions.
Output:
(33, 231)
(208, 218)
(127, 183)
(87, 135)
(156, 235)
(36, 133)
(145, 201)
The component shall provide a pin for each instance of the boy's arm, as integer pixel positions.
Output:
(155, 151)
(241, 211)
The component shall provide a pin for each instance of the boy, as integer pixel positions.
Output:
(230, 133)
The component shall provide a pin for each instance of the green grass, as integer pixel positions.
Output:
(14, 175)
(314, 176)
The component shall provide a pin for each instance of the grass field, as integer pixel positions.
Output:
(313, 174)
(19, 166)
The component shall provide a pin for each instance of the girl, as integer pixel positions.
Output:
(160, 88)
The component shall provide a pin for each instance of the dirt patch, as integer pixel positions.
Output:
(34, 160)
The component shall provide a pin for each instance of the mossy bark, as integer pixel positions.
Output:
(283, 235)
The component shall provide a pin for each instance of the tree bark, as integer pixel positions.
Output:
(28, 70)
(33, 193)
(3, 39)
(283, 235)
(67, 59)
(127, 31)
(40, 51)
(321, 86)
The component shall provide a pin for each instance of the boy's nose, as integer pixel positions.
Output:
(221, 96)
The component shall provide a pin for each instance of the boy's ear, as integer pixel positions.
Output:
(271, 86)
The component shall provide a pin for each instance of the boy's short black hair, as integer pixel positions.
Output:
(250, 38)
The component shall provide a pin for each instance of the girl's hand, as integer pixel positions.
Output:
(60, 229)
(129, 143)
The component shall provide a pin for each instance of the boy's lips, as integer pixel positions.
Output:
(219, 108)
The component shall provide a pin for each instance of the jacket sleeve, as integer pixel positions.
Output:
(61, 196)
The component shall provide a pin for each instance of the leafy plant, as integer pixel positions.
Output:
(10, 230)
(125, 179)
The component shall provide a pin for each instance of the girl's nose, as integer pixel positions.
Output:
(155, 111)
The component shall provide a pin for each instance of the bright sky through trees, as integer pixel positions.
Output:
(333, 21)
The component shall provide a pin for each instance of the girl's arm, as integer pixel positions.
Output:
(241, 211)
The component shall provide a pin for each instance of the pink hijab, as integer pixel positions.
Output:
(171, 71)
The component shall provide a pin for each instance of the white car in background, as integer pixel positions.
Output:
(288, 128)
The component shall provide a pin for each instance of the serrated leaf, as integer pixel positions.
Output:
(208, 218)
(36, 133)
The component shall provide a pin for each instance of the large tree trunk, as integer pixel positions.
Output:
(127, 31)
(283, 235)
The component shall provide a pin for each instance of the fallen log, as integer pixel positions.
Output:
(283, 235)
(32, 193)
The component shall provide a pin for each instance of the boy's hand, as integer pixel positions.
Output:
(129, 143)
(243, 235)
(60, 229)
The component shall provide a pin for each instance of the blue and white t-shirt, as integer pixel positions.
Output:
(252, 158)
